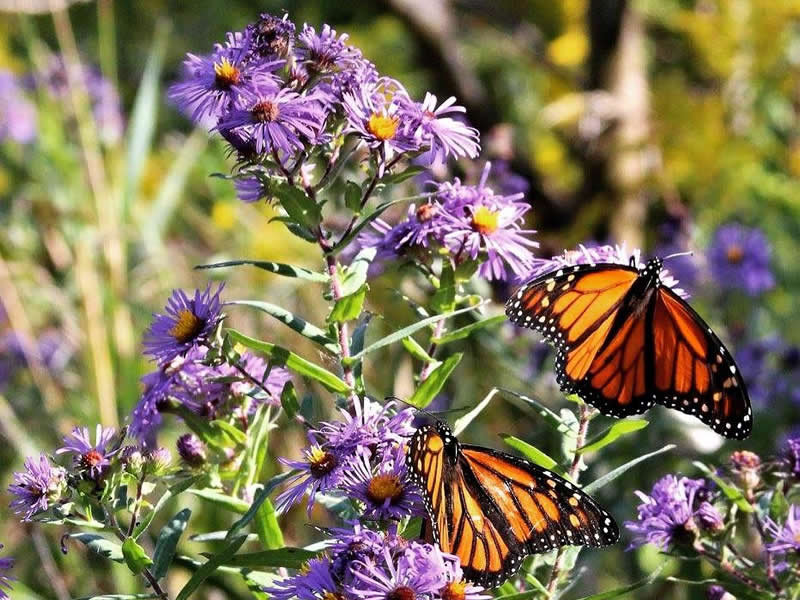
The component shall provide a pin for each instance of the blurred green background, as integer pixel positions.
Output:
(649, 121)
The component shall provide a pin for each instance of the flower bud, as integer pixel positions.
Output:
(709, 518)
(747, 466)
(717, 592)
(132, 460)
(158, 462)
(191, 450)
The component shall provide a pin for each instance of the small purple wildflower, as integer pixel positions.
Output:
(384, 489)
(325, 51)
(791, 458)
(444, 135)
(88, 457)
(187, 323)
(315, 582)
(717, 592)
(272, 380)
(271, 36)
(17, 113)
(739, 258)
(709, 518)
(395, 577)
(320, 471)
(250, 189)
(6, 565)
(146, 417)
(192, 450)
(666, 516)
(37, 487)
(278, 121)
(786, 537)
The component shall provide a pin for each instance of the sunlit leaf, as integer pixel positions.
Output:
(617, 430)
(612, 475)
(731, 492)
(272, 267)
(532, 453)
(434, 383)
(300, 325)
(289, 558)
(135, 556)
(167, 542)
(467, 330)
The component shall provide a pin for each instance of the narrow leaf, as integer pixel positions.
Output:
(355, 276)
(301, 326)
(289, 558)
(168, 541)
(349, 307)
(467, 330)
(135, 556)
(97, 544)
(221, 499)
(623, 591)
(267, 528)
(532, 453)
(428, 389)
(445, 297)
(302, 209)
(415, 350)
(462, 422)
(342, 243)
(289, 401)
(352, 196)
(406, 331)
(617, 430)
(272, 267)
(209, 567)
(548, 415)
(612, 475)
(284, 357)
(778, 506)
(731, 492)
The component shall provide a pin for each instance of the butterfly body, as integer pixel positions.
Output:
(626, 341)
(492, 509)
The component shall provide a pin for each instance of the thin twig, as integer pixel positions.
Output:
(437, 332)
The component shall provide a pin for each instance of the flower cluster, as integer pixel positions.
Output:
(362, 564)
(361, 457)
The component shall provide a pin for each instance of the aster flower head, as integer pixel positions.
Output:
(319, 471)
(709, 518)
(158, 461)
(192, 450)
(786, 537)
(453, 585)
(353, 546)
(440, 132)
(146, 417)
(211, 84)
(384, 489)
(666, 515)
(790, 460)
(395, 577)
(93, 459)
(739, 259)
(279, 122)
(38, 486)
(250, 189)
(272, 36)
(5, 579)
(186, 323)
(314, 582)
(325, 51)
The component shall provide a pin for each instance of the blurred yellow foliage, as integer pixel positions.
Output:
(570, 48)
(223, 214)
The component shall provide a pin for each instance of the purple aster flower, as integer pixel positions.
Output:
(453, 585)
(739, 258)
(786, 537)
(717, 592)
(146, 417)
(271, 36)
(92, 458)
(790, 459)
(506, 181)
(325, 51)
(384, 489)
(709, 518)
(361, 73)
(375, 112)
(191, 450)
(272, 380)
(158, 461)
(319, 471)
(187, 323)
(211, 84)
(370, 425)
(395, 577)
(17, 114)
(5, 579)
(437, 129)
(250, 189)
(314, 582)
(666, 516)
(37, 487)
(278, 121)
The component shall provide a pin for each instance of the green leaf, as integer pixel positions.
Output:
(168, 541)
(348, 307)
(405, 332)
(176, 489)
(267, 528)
(731, 492)
(532, 453)
(352, 196)
(283, 357)
(355, 275)
(551, 418)
(778, 506)
(233, 433)
(135, 556)
(612, 475)
(428, 389)
(466, 331)
(302, 209)
(212, 433)
(519, 595)
(617, 430)
(210, 566)
(289, 558)
(301, 326)
(342, 243)
(415, 350)
(462, 422)
(445, 297)
(399, 177)
(272, 267)
(623, 591)
(289, 401)
(221, 499)
(97, 544)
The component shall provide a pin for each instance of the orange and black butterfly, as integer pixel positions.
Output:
(492, 509)
(626, 341)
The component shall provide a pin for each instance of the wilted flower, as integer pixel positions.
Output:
(37, 487)
(187, 323)
(250, 189)
(5, 579)
(271, 36)
(91, 458)
(709, 518)
(321, 470)
(132, 460)
(746, 466)
(739, 258)
(325, 51)
(666, 516)
(192, 450)
(786, 537)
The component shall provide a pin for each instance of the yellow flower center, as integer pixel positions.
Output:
(485, 221)
(332, 596)
(187, 326)
(266, 111)
(401, 593)
(382, 127)
(321, 462)
(226, 74)
(455, 590)
(384, 487)
(734, 254)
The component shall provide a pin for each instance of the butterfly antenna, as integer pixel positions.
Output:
(677, 254)
(417, 408)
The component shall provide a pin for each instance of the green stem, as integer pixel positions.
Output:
(437, 333)
(343, 333)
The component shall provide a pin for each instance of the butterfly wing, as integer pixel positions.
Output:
(426, 463)
(693, 371)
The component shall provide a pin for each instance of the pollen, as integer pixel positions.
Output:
(226, 74)
(485, 221)
(384, 487)
(321, 462)
(426, 212)
(266, 111)
(383, 127)
(187, 327)
(734, 254)
(92, 458)
(454, 590)
(402, 592)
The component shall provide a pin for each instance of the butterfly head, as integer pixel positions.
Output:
(652, 268)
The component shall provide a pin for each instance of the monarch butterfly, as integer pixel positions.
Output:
(626, 341)
(492, 509)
